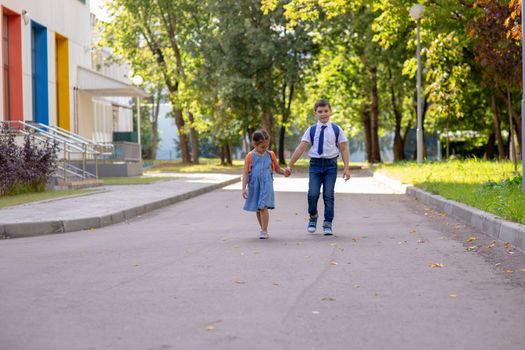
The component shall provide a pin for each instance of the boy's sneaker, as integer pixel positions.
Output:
(264, 235)
(327, 228)
(312, 224)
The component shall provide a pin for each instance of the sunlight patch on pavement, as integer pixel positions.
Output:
(300, 184)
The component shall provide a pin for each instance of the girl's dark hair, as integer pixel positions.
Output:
(322, 103)
(259, 136)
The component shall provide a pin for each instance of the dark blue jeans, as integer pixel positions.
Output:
(322, 172)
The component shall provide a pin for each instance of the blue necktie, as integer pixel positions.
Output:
(321, 141)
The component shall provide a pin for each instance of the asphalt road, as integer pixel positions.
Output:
(194, 276)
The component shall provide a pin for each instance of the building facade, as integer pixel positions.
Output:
(52, 76)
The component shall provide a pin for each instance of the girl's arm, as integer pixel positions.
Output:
(245, 178)
(276, 166)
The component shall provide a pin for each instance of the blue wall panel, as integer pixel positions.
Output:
(39, 73)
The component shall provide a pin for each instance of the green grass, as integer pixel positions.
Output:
(137, 180)
(207, 165)
(213, 165)
(8, 201)
(489, 186)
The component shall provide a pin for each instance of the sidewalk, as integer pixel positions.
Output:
(110, 205)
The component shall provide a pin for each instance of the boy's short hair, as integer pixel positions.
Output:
(322, 103)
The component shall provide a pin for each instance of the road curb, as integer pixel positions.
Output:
(488, 223)
(30, 229)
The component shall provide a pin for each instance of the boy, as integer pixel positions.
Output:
(326, 140)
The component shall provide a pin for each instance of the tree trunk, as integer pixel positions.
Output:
(368, 138)
(245, 143)
(374, 117)
(405, 136)
(512, 150)
(399, 152)
(155, 125)
(183, 141)
(222, 153)
(489, 150)
(194, 140)
(517, 124)
(497, 129)
(286, 114)
(228, 149)
(268, 126)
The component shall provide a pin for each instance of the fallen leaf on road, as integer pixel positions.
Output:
(275, 284)
(210, 328)
(497, 264)
(471, 248)
(333, 263)
(236, 246)
(508, 271)
(240, 282)
(356, 286)
(421, 241)
(354, 239)
(522, 270)
(316, 312)
(436, 265)
(452, 295)
(328, 299)
(332, 244)
(492, 244)
(471, 238)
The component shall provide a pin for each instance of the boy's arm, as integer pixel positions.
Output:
(245, 178)
(303, 146)
(345, 154)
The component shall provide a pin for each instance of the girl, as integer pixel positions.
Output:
(259, 166)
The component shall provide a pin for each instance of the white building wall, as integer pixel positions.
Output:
(69, 18)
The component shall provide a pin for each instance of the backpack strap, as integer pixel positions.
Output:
(312, 133)
(336, 132)
(250, 156)
(249, 160)
(274, 160)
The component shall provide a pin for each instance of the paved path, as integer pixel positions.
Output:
(108, 205)
(194, 276)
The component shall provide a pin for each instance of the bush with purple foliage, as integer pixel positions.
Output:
(27, 168)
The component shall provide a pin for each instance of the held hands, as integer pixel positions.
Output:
(245, 194)
(287, 171)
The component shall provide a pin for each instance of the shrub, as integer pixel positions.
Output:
(27, 168)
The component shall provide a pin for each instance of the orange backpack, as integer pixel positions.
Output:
(249, 159)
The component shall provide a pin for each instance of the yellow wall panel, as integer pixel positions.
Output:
(62, 71)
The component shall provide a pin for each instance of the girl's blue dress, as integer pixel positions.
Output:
(260, 183)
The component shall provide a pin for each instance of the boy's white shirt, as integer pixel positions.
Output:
(330, 150)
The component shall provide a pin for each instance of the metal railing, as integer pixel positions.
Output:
(126, 152)
(70, 145)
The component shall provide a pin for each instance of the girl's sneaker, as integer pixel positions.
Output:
(264, 235)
